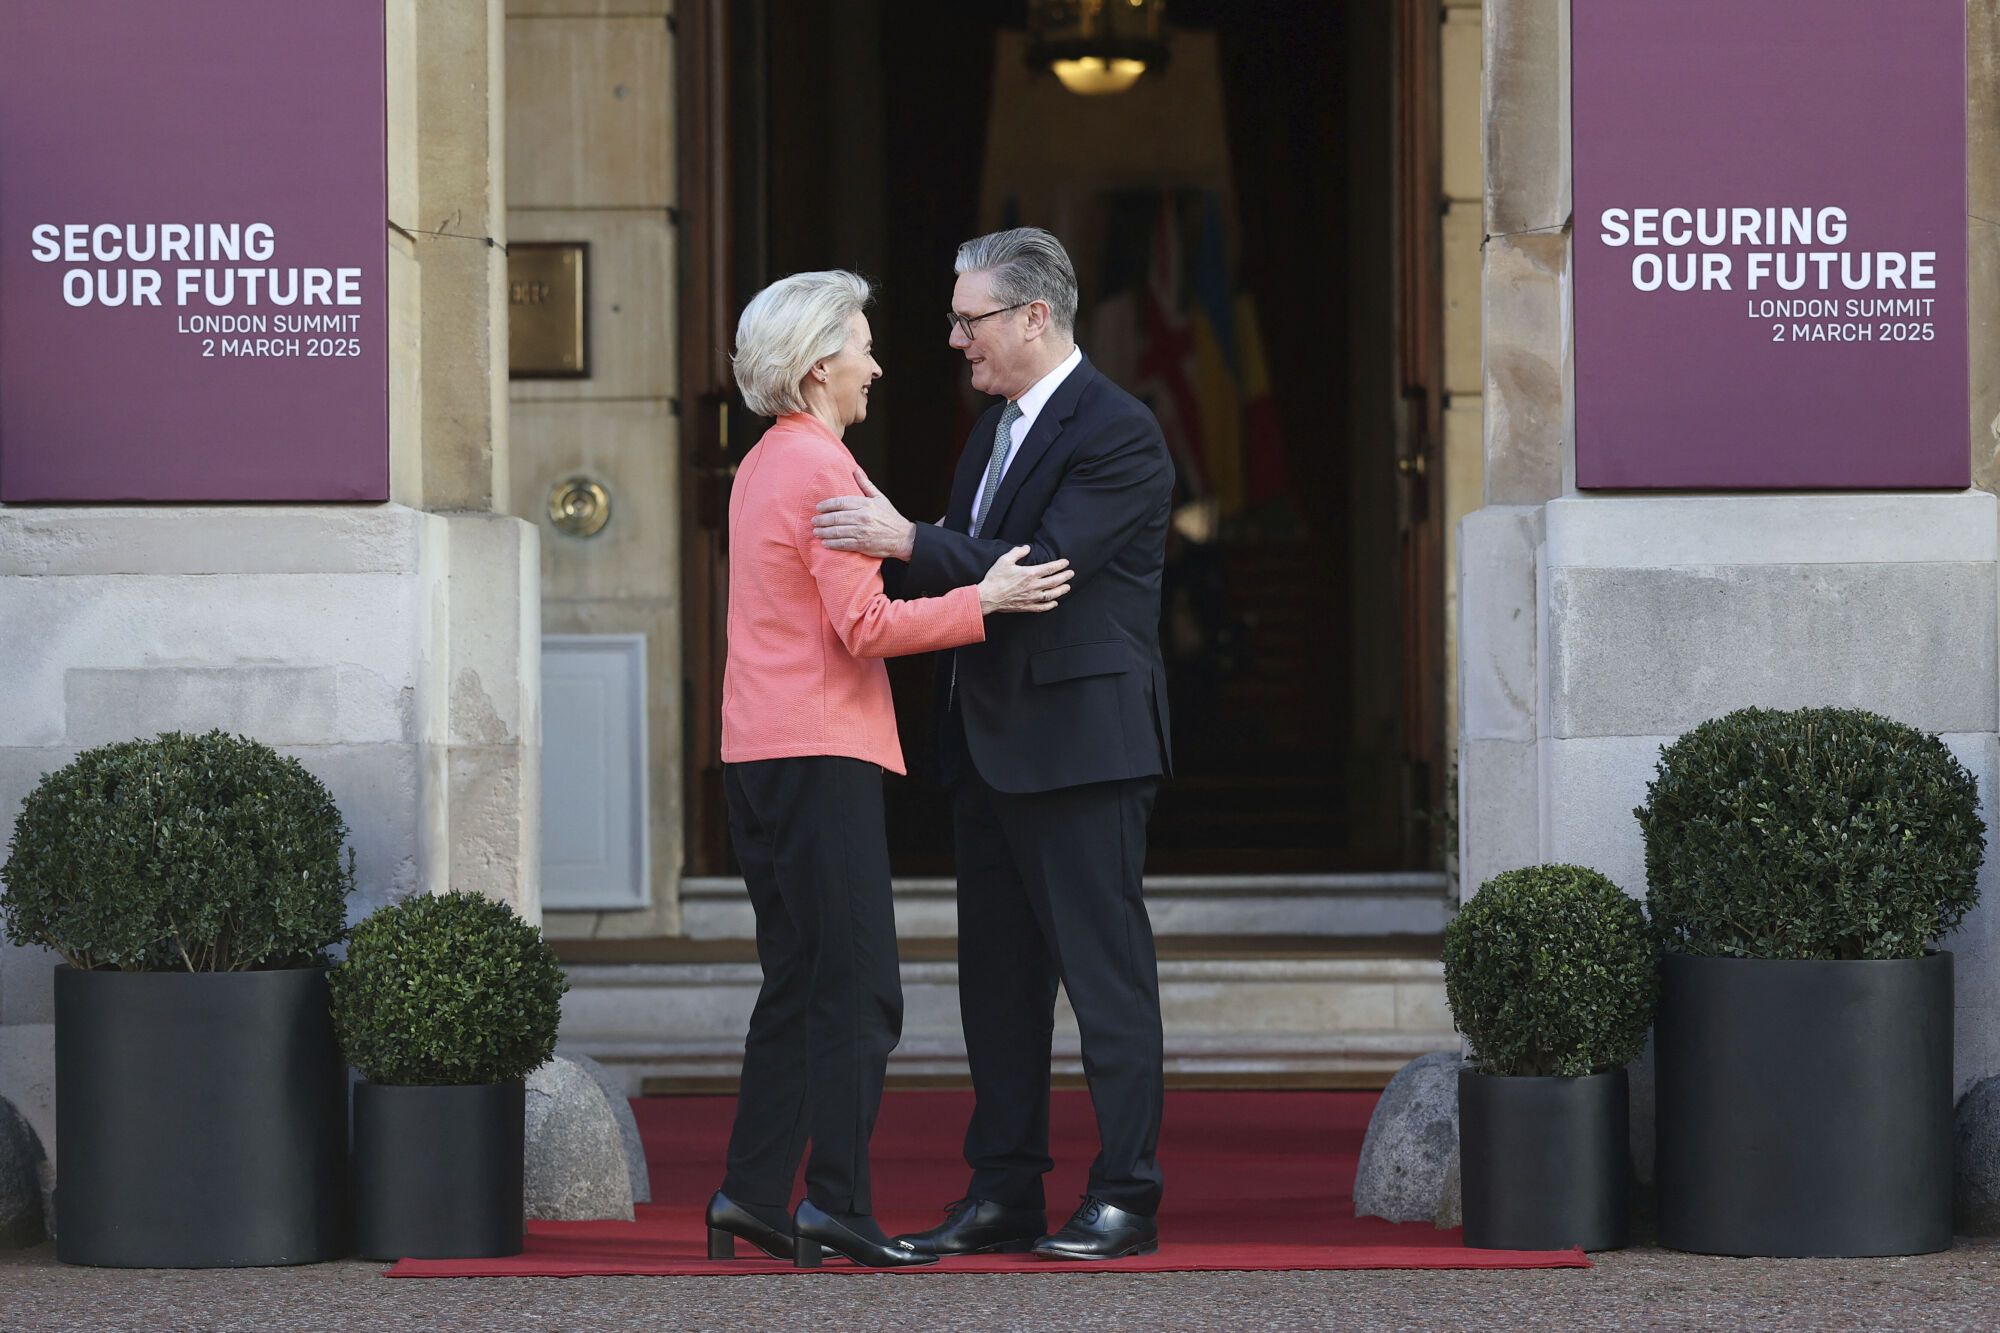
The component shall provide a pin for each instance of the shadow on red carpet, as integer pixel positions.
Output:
(1255, 1180)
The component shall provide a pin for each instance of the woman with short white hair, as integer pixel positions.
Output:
(807, 728)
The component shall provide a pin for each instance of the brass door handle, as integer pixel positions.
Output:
(1412, 467)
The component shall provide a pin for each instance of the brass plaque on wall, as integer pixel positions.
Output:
(546, 323)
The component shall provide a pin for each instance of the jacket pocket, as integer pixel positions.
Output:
(1076, 660)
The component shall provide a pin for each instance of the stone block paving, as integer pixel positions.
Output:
(1635, 1289)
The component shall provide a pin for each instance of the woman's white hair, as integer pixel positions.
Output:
(786, 328)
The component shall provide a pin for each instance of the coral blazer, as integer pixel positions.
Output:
(808, 627)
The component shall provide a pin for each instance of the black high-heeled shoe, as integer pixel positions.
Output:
(728, 1219)
(814, 1231)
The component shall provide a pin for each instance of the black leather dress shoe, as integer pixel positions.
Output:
(1098, 1230)
(980, 1226)
(728, 1219)
(856, 1239)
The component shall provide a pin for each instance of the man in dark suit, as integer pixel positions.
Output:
(1053, 735)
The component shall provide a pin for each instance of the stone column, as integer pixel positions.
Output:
(487, 802)
(492, 834)
(460, 241)
(1983, 234)
(1460, 121)
(1523, 377)
(1524, 330)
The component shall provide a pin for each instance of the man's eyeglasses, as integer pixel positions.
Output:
(964, 323)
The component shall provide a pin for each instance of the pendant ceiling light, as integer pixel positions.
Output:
(1096, 46)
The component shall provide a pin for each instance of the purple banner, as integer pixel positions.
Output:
(193, 257)
(1770, 244)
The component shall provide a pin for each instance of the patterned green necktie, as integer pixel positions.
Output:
(1003, 439)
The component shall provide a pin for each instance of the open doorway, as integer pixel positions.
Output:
(1249, 224)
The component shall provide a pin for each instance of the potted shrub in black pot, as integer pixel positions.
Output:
(1552, 975)
(445, 1004)
(191, 885)
(1801, 867)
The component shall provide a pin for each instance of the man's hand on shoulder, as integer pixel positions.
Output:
(865, 523)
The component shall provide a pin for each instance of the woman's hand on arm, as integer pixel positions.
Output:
(868, 622)
(1012, 586)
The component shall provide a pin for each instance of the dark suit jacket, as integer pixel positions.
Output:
(1078, 694)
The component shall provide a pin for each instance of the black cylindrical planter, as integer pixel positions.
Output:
(1545, 1163)
(201, 1117)
(438, 1171)
(1804, 1108)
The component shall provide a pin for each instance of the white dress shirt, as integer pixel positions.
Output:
(1031, 404)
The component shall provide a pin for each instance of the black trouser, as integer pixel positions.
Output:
(810, 837)
(1048, 890)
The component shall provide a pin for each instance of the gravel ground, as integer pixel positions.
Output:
(1639, 1288)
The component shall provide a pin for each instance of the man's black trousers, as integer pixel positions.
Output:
(1048, 890)
(810, 838)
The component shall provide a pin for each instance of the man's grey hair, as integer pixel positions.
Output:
(1025, 264)
(786, 328)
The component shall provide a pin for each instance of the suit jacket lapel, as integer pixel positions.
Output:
(1048, 425)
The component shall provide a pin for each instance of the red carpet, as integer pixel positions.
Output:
(1255, 1180)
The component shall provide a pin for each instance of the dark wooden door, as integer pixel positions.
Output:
(708, 300)
(735, 165)
(1419, 461)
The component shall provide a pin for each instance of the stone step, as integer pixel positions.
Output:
(1310, 1010)
(1388, 903)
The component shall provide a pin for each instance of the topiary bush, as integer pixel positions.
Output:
(1815, 833)
(1551, 970)
(199, 853)
(453, 989)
